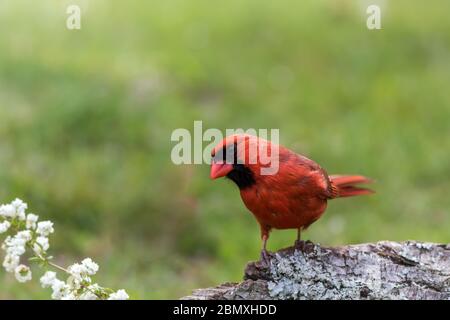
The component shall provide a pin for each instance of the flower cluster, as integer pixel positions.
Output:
(26, 235)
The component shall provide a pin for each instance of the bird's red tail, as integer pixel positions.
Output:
(344, 186)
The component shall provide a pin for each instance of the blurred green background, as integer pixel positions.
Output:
(86, 118)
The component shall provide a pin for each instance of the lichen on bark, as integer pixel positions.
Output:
(382, 270)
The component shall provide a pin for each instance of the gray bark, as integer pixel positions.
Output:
(382, 270)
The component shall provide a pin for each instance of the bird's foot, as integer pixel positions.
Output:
(265, 259)
(299, 244)
(302, 245)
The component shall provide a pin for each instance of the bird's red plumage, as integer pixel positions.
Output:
(294, 197)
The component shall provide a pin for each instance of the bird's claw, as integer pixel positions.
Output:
(300, 245)
(303, 245)
(265, 258)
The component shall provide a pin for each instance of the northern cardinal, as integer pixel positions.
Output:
(292, 198)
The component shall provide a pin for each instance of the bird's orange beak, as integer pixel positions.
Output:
(219, 170)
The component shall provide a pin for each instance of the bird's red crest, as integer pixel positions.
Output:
(256, 153)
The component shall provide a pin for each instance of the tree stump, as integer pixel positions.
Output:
(382, 270)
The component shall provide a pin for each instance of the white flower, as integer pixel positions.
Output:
(31, 221)
(95, 288)
(37, 249)
(22, 273)
(88, 295)
(16, 250)
(77, 282)
(20, 208)
(7, 211)
(4, 226)
(90, 266)
(11, 262)
(76, 270)
(41, 245)
(32, 232)
(48, 279)
(44, 228)
(69, 296)
(119, 295)
(15, 246)
(24, 235)
(60, 289)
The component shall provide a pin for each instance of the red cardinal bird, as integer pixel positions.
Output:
(292, 198)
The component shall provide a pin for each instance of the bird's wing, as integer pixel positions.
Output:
(313, 179)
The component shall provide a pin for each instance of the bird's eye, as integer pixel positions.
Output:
(225, 155)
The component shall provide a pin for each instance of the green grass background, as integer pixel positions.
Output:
(86, 118)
